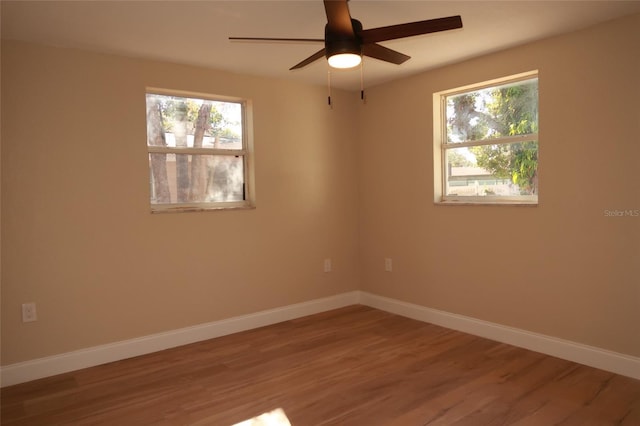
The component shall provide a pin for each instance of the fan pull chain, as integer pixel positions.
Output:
(329, 88)
(361, 79)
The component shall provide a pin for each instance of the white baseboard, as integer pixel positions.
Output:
(44, 367)
(603, 359)
(588, 355)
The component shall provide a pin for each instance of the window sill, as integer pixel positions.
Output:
(486, 203)
(199, 209)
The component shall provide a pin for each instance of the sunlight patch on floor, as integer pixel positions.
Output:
(276, 417)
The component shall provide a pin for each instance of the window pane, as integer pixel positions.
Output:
(185, 178)
(175, 121)
(493, 112)
(492, 170)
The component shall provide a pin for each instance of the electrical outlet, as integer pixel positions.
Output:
(327, 265)
(29, 313)
(388, 264)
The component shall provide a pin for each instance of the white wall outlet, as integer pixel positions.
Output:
(327, 265)
(388, 264)
(29, 313)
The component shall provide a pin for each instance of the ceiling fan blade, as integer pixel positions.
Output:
(374, 35)
(384, 54)
(338, 18)
(319, 54)
(302, 40)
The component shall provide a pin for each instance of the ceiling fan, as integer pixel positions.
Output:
(345, 41)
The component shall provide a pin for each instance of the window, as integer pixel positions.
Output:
(486, 142)
(198, 152)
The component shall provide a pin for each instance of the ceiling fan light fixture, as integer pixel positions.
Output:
(341, 52)
(344, 60)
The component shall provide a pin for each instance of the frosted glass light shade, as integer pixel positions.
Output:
(344, 60)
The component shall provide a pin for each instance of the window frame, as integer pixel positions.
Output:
(441, 145)
(246, 152)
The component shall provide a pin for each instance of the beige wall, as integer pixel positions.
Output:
(562, 268)
(78, 238)
(77, 235)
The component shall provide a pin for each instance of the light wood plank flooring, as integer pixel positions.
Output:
(351, 366)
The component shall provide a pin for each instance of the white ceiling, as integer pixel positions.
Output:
(196, 32)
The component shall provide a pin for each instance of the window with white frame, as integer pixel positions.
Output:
(198, 152)
(486, 142)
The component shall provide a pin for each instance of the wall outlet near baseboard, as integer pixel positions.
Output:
(327, 265)
(29, 313)
(388, 264)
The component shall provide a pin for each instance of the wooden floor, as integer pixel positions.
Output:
(352, 366)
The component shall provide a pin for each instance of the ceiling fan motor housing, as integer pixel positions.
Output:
(336, 43)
